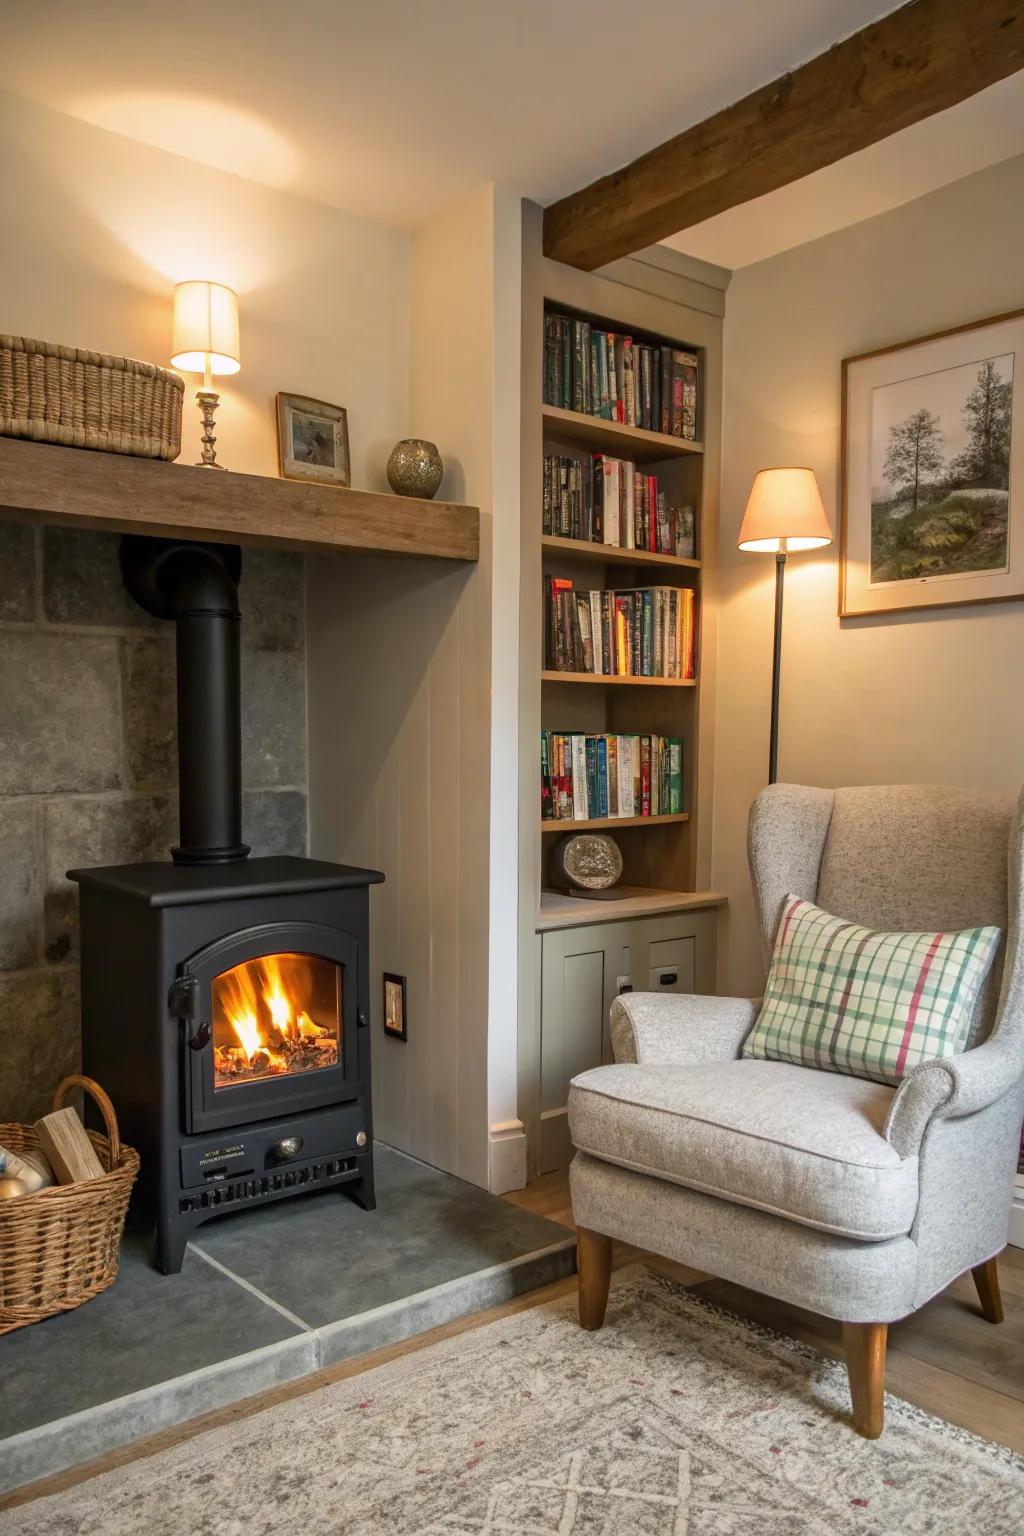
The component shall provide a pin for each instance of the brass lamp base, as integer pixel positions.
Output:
(208, 400)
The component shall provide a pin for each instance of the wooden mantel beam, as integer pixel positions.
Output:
(85, 488)
(916, 61)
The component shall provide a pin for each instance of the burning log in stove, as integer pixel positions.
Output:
(233, 1064)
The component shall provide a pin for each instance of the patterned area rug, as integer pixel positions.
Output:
(675, 1420)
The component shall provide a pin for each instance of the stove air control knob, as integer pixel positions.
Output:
(360, 1138)
(287, 1147)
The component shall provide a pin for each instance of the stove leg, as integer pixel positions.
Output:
(171, 1242)
(362, 1193)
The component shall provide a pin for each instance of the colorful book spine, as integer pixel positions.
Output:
(547, 808)
(588, 776)
(619, 378)
(637, 632)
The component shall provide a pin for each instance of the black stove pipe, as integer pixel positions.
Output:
(196, 585)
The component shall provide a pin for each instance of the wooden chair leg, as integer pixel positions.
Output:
(986, 1278)
(865, 1365)
(594, 1266)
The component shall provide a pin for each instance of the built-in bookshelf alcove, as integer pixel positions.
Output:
(610, 690)
(622, 503)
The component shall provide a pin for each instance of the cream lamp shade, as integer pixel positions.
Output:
(784, 513)
(205, 333)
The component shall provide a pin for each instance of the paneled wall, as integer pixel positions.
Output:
(398, 714)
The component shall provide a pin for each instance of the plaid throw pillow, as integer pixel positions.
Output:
(867, 1004)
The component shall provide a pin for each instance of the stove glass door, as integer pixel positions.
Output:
(276, 1016)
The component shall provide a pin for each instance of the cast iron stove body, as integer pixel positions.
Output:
(225, 1000)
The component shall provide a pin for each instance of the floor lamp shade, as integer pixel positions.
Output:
(784, 514)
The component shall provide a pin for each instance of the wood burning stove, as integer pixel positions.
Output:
(225, 1000)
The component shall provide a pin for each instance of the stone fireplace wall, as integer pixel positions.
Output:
(88, 767)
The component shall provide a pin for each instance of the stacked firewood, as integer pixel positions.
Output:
(65, 1155)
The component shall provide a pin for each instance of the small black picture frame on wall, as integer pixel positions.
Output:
(395, 1020)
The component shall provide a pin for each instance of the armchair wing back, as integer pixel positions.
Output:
(916, 857)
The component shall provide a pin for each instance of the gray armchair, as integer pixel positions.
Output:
(850, 1198)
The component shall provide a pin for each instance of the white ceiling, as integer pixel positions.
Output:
(392, 108)
(979, 132)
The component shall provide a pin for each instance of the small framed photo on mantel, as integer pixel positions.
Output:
(312, 440)
(932, 478)
(395, 1022)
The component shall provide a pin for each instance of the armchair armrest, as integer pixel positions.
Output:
(954, 1086)
(678, 1028)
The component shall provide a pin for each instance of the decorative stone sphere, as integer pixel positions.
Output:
(415, 468)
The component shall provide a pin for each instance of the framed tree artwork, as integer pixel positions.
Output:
(932, 496)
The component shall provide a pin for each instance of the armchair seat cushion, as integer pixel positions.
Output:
(802, 1144)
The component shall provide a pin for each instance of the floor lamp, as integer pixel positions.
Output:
(784, 514)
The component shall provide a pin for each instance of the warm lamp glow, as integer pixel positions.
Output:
(784, 513)
(205, 332)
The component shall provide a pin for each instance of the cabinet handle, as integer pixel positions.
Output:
(668, 978)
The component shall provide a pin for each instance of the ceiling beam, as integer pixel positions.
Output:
(916, 61)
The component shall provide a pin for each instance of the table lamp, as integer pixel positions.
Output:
(784, 514)
(205, 340)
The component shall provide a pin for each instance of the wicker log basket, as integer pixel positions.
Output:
(56, 394)
(59, 1247)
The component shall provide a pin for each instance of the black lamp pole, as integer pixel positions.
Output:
(773, 741)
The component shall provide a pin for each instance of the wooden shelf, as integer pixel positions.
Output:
(566, 824)
(614, 437)
(43, 483)
(618, 682)
(611, 554)
(558, 910)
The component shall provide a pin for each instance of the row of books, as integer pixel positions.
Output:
(608, 374)
(586, 777)
(637, 632)
(602, 500)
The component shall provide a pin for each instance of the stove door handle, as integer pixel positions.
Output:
(183, 1002)
(200, 1035)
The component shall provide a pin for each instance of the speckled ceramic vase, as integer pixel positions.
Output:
(415, 468)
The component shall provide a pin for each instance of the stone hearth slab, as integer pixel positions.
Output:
(324, 1259)
(265, 1296)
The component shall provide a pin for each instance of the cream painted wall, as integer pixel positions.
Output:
(96, 229)
(433, 706)
(934, 696)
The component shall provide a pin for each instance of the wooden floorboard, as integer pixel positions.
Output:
(945, 1359)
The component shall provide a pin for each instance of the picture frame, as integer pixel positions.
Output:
(312, 440)
(394, 1015)
(931, 472)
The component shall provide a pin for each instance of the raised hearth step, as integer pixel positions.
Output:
(266, 1296)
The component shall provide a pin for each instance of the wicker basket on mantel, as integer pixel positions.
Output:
(56, 394)
(60, 1246)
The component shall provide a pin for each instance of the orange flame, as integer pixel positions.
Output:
(265, 1005)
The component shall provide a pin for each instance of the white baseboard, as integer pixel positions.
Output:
(507, 1162)
(1016, 1232)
